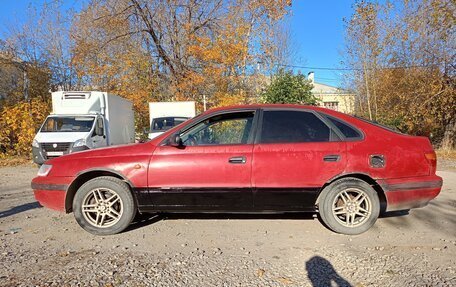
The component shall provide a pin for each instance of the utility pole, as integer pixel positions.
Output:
(204, 102)
(26, 83)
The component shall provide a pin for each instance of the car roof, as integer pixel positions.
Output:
(265, 106)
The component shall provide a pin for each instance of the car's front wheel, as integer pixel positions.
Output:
(104, 206)
(349, 206)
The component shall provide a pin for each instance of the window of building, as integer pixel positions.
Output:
(331, 105)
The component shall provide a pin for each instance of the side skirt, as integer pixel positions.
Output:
(227, 200)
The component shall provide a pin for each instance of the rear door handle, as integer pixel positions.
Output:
(237, 160)
(331, 157)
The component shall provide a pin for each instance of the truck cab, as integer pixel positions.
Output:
(166, 115)
(160, 125)
(61, 135)
(81, 121)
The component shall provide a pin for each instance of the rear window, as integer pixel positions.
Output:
(345, 129)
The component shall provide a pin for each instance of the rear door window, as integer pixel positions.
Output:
(292, 127)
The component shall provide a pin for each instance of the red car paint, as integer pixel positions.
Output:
(274, 176)
(53, 199)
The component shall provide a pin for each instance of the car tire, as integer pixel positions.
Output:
(104, 206)
(349, 206)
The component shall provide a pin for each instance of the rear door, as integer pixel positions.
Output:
(296, 152)
(212, 171)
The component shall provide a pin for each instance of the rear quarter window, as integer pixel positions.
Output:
(348, 131)
(388, 128)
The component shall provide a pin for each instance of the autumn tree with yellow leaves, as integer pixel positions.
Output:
(402, 56)
(182, 50)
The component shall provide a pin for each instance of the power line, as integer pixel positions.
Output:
(326, 79)
(314, 68)
(355, 69)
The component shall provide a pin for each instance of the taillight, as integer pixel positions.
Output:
(432, 159)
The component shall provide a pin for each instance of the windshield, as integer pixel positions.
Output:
(68, 124)
(164, 124)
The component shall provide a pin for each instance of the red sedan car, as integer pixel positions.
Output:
(259, 158)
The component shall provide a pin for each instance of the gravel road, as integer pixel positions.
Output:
(40, 247)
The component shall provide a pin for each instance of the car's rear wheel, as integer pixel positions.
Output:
(349, 206)
(104, 206)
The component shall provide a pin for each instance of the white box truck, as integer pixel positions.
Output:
(81, 121)
(165, 115)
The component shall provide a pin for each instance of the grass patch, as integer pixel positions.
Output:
(446, 154)
(10, 160)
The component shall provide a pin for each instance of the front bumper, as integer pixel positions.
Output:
(50, 192)
(407, 193)
(39, 154)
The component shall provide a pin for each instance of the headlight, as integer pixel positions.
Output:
(44, 170)
(35, 143)
(79, 142)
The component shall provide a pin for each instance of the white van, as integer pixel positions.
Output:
(81, 121)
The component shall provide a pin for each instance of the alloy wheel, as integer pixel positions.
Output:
(102, 207)
(351, 207)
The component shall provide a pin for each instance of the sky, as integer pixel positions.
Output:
(317, 31)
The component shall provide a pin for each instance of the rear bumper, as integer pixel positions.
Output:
(407, 193)
(50, 192)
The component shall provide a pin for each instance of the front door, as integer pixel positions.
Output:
(211, 171)
(99, 134)
(295, 154)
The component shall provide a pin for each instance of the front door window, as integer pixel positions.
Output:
(233, 128)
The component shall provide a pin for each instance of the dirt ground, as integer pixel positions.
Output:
(41, 247)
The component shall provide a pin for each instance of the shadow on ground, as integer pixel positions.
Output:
(19, 209)
(397, 213)
(148, 219)
(321, 273)
(434, 215)
(438, 215)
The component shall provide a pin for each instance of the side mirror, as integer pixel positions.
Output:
(99, 131)
(176, 141)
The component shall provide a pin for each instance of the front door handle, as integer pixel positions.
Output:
(237, 160)
(331, 157)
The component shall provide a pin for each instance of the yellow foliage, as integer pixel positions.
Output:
(230, 99)
(18, 125)
(173, 56)
(223, 56)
